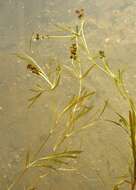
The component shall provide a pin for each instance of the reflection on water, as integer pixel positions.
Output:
(112, 27)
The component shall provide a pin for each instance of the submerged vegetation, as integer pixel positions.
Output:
(80, 107)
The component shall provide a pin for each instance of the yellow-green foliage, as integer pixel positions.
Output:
(77, 107)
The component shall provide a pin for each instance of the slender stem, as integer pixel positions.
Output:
(90, 57)
(16, 181)
(134, 167)
(110, 73)
(42, 145)
(94, 62)
(133, 185)
(79, 77)
(47, 80)
(49, 37)
(83, 36)
(68, 126)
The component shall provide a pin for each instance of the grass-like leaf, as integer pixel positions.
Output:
(34, 67)
(88, 71)
(28, 59)
(118, 124)
(27, 161)
(103, 109)
(76, 100)
(73, 154)
(56, 83)
(123, 120)
(82, 112)
(33, 99)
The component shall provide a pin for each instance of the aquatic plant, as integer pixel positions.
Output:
(75, 109)
(78, 107)
(128, 124)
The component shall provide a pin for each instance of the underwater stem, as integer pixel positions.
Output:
(42, 145)
(16, 181)
(47, 80)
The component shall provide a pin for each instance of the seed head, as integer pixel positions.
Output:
(101, 54)
(33, 69)
(80, 13)
(73, 51)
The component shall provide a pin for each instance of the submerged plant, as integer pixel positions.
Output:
(76, 108)
(128, 124)
(80, 105)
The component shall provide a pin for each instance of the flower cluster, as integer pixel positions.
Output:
(73, 51)
(101, 54)
(34, 69)
(80, 13)
(37, 37)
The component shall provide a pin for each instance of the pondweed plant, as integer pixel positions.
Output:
(80, 105)
(77, 107)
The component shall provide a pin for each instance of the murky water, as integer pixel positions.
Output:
(112, 27)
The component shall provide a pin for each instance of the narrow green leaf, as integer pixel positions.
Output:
(123, 120)
(88, 71)
(60, 161)
(33, 99)
(118, 124)
(83, 112)
(104, 108)
(57, 81)
(114, 122)
(43, 165)
(66, 154)
(27, 158)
